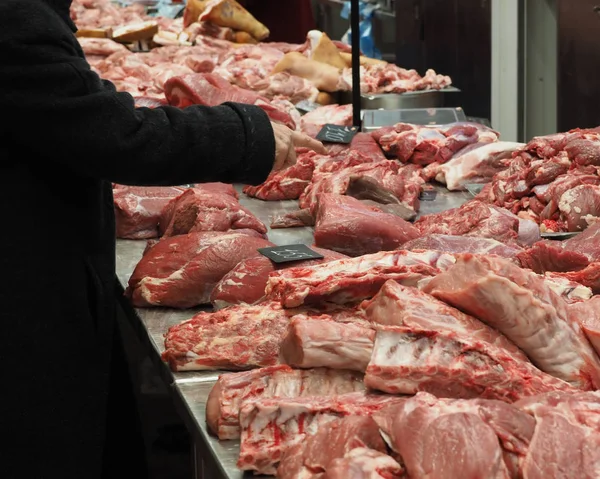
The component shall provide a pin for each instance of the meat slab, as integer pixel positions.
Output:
(462, 244)
(523, 307)
(246, 282)
(350, 280)
(196, 210)
(446, 438)
(271, 426)
(227, 339)
(362, 463)
(233, 389)
(346, 225)
(181, 271)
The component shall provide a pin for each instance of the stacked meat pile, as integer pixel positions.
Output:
(553, 180)
(495, 355)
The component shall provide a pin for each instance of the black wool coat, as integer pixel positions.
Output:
(65, 135)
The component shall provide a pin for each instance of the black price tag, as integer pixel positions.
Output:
(290, 252)
(306, 106)
(337, 134)
(428, 195)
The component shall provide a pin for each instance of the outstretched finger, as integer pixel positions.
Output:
(301, 140)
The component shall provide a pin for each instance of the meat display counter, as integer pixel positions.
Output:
(214, 459)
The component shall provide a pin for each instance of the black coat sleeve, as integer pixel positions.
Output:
(61, 111)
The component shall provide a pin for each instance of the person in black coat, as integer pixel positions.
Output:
(65, 136)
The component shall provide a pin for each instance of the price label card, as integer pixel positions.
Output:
(337, 134)
(288, 253)
(306, 106)
(428, 195)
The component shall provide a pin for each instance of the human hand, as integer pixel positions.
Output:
(286, 142)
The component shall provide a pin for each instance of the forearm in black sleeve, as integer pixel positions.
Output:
(62, 112)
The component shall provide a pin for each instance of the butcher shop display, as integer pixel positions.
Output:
(439, 335)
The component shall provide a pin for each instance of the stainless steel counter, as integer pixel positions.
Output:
(216, 459)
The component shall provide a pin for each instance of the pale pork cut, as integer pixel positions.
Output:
(271, 426)
(446, 438)
(362, 463)
(196, 210)
(354, 279)
(228, 339)
(566, 442)
(315, 120)
(233, 389)
(182, 271)
(522, 306)
(246, 282)
(407, 360)
(339, 219)
(333, 441)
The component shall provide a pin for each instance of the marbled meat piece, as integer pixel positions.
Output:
(246, 282)
(271, 426)
(233, 389)
(346, 225)
(196, 210)
(520, 304)
(181, 271)
(462, 244)
(351, 280)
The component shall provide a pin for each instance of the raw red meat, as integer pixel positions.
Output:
(547, 255)
(587, 314)
(228, 339)
(138, 208)
(361, 463)
(521, 305)
(314, 121)
(355, 279)
(271, 426)
(570, 291)
(446, 438)
(476, 163)
(397, 305)
(330, 442)
(182, 271)
(233, 389)
(407, 360)
(196, 211)
(346, 225)
(211, 90)
(462, 244)
(321, 341)
(566, 442)
(475, 218)
(247, 281)
(586, 243)
(424, 145)
(580, 207)
(588, 276)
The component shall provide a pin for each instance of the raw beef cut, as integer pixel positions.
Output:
(271, 426)
(397, 305)
(587, 314)
(566, 442)
(181, 271)
(323, 342)
(314, 121)
(424, 145)
(361, 463)
(346, 225)
(407, 360)
(586, 243)
(137, 209)
(521, 305)
(570, 291)
(330, 442)
(476, 163)
(475, 218)
(355, 279)
(446, 438)
(548, 255)
(212, 90)
(246, 282)
(233, 389)
(196, 211)
(580, 207)
(462, 244)
(228, 339)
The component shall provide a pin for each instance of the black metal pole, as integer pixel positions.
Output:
(354, 22)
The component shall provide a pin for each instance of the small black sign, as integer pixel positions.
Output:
(428, 195)
(306, 106)
(290, 252)
(337, 134)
